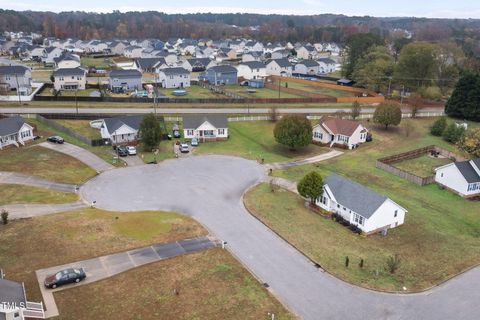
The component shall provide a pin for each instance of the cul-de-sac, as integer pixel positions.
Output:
(270, 161)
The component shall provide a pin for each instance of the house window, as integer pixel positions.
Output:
(441, 175)
(318, 135)
(338, 206)
(358, 219)
(221, 131)
(396, 213)
(190, 132)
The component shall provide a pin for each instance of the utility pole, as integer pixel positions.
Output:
(389, 86)
(279, 83)
(18, 90)
(401, 95)
(76, 101)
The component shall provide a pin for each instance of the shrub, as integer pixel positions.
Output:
(293, 131)
(453, 133)
(439, 127)
(393, 263)
(4, 216)
(311, 186)
(470, 142)
(431, 93)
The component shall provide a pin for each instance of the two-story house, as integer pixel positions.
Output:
(70, 79)
(172, 78)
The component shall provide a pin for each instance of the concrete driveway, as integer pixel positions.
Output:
(18, 178)
(210, 189)
(85, 156)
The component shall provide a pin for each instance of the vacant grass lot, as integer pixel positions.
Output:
(45, 163)
(254, 140)
(210, 285)
(260, 92)
(78, 93)
(440, 237)
(32, 244)
(319, 90)
(422, 166)
(193, 92)
(99, 63)
(14, 193)
(82, 127)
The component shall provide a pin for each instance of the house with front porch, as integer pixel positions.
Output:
(70, 79)
(205, 127)
(121, 130)
(370, 211)
(335, 131)
(462, 177)
(14, 304)
(14, 131)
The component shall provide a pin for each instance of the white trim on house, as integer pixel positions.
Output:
(206, 131)
(17, 138)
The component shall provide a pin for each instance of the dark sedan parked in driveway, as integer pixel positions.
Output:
(66, 276)
(55, 139)
(122, 151)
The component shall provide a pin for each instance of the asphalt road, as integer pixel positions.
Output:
(210, 189)
(252, 111)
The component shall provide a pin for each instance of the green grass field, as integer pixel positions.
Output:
(254, 140)
(99, 63)
(16, 194)
(82, 127)
(313, 89)
(422, 166)
(260, 93)
(193, 92)
(440, 237)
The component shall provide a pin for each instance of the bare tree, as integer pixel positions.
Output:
(273, 114)
(356, 110)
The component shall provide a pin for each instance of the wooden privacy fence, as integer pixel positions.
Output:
(386, 163)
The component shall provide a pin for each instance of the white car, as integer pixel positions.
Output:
(184, 148)
(131, 150)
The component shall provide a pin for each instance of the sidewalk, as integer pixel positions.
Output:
(18, 178)
(107, 266)
(19, 211)
(319, 158)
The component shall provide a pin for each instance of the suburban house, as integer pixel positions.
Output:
(327, 65)
(125, 80)
(66, 61)
(133, 52)
(462, 177)
(306, 52)
(121, 130)
(253, 56)
(150, 64)
(220, 75)
(307, 67)
(226, 54)
(170, 58)
(198, 64)
(279, 67)
(14, 131)
(50, 53)
(172, 78)
(370, 211)
(252, 70)
(205, 128)
(117, 48)
(70, 79)
(280, 54)
(17, 78)
(14, 304)
(335, 131)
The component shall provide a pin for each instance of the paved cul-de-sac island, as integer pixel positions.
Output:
(210, 189)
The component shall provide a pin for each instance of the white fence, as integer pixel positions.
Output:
(20, 99)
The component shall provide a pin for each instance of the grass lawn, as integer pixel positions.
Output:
(254, 140)
(14, 193)
(82, 127)
(193, 92)
(45, 163)
(99, 63)
(422, 166)
(41, 74)
(210, 285)
(103, 152)
(79, 93)
(261, 92)
(440, 237)
(319, 90)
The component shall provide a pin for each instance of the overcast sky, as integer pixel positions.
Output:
(381, 8)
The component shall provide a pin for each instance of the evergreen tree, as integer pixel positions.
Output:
(150, 132)
(465, 100)
(293, 131)
(438, 127)
(311, 186)
(453, 133)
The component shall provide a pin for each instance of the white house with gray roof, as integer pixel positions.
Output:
(14, 131)
(14, 304)
(121, 130)
(279, 67)
(462, 177)
(171, 78)
(125, 80)
(16, 78)
(205, 127)
(70, 79)
(370, 211)
(307, 67)
(252, 70)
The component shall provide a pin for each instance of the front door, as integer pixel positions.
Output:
(201, 133)
(332, 137)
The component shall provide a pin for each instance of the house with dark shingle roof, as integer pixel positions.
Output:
(462, 177)
(252, 70)
(70, 79)
(150, 64)
(121, 130)
(279, 67)
(220, 75)
(67, 60)
(125, 80)
(14, 131)
(336, 131)
(307, 67)
(370, 211)
(198, 64)
(14, 304)
(16, 78)
(205, 127)
(327, 65)
(172, 78)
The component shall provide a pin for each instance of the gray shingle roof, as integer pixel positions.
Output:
(9, 126)
(175, 71)
(199, 62)
(193, 122)
(223, 69)
(69, 72)
(309, 63)
(149, 63)
(18, 70)
(326, 61)
(125, 74)
(354, 196)
(284, 63)
(115, 123)
(467, 171)
(254, 64)
(12, 292)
